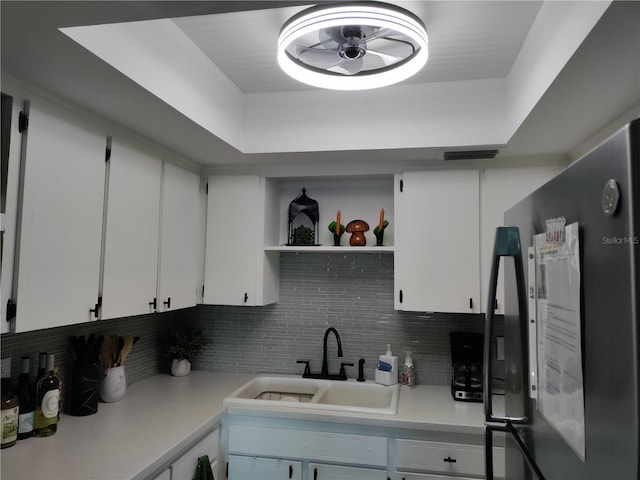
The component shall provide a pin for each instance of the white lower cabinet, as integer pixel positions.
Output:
(258, 452)
(185, 466)
(321, 471)
(261, 449)
(454, 459)
(426, 476)
(164, 475)
(257, 468)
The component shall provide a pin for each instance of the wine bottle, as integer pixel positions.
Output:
(9, 407)
(26, 397)
(47, 402)
(42, 368)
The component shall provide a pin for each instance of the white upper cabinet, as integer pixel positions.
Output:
(179, 243)
(11, 146)
(58, 259)
(501, 189)
(437, 252)
(130, 271)
(238, 271)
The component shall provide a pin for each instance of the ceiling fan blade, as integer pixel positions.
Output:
(380, 33)
(348, 67)
(318, 57)
(331, 37)
(386, 58)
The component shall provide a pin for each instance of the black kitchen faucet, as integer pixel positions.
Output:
(324, 374)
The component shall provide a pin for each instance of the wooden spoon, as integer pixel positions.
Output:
(128, 345)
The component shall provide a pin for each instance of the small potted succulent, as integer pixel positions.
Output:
(183, 347)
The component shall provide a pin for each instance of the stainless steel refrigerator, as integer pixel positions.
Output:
(572, 382)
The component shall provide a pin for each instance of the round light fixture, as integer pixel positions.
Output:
(355, 46)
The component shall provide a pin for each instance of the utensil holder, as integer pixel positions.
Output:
(85, 386)
(114, 385)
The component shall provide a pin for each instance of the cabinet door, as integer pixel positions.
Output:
(257, 468)
(500, 190)
(322, 471)
(237, 269)
(179, 228)
(437, 258)
(446, 458)
(11, 147)
(131, 239)
(185, 466)
(58, 256)
(164, 475)
(232, 240)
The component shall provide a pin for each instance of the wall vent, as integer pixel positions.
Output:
(470, 154)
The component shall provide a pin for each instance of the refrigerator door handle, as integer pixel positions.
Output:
(506, 427)
(507, 244)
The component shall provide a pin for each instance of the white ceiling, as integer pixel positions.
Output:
(469, 41)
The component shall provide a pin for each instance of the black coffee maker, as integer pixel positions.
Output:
(466, 358)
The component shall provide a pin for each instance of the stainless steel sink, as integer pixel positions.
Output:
(270, 391)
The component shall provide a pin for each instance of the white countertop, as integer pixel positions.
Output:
(161, 416)
(129, 439)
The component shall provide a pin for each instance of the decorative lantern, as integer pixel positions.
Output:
(297, 232)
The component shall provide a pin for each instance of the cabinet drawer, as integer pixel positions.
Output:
(426, 476)
(324, 446)
(320, 471)
(185, 466)
(449, 458)
(255, 468)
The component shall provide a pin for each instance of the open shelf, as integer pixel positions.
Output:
(328, 249)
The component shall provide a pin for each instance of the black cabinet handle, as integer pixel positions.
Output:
(315, 474)
(167, 303)
(96, 309)
(450, 460)
(400, 296)
(246, 297)
(290, 471)
(471, 303)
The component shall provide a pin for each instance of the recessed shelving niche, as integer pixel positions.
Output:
(356, 198)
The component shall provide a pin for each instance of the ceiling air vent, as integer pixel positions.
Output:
(470, 154)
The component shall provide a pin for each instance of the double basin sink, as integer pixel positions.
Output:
(305, 393)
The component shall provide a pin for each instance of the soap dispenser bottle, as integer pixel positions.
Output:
(387, 371)
(409, 371)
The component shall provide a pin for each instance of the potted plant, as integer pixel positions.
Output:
(183, 347)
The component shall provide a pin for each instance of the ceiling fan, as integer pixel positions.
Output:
(351, 49)
(352, 46)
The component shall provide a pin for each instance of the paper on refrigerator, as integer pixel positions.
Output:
(559, 342)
